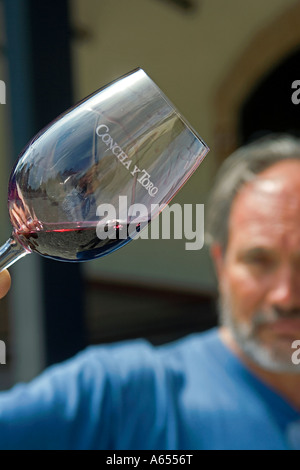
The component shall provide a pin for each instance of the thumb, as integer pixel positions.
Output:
(5, 282)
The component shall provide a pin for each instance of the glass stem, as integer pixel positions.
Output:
(11, 252)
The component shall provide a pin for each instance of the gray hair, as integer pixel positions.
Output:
(238, 169)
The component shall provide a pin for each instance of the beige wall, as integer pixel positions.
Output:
(189, 56)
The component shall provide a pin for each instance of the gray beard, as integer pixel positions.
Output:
(271, 357)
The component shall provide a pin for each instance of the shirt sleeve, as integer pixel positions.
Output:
(66, 407)
(107, 397)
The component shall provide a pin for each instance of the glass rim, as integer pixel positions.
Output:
(162, 94)
(169, 102)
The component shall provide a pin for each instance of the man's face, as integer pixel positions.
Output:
(259, 274)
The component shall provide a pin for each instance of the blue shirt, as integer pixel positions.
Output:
(190, 394)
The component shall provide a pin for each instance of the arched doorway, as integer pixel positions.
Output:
(271, 47)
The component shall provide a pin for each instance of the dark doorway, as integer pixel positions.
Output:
(269, 108)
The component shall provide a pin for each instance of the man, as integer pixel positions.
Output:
(233, 387)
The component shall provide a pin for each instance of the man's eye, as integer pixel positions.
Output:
(259, 261)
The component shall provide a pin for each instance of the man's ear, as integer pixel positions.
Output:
(217, 255)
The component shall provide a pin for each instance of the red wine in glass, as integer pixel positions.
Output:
(76, 244)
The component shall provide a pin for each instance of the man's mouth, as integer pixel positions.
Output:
(288, 326)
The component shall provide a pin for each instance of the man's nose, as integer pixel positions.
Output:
(284, 292)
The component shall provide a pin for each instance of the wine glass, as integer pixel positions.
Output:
(75, 189)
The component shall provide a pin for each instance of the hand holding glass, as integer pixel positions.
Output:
(127, 143)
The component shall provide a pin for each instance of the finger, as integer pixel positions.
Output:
(5, 283)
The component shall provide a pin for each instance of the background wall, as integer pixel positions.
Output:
(188, 55)
(4, 220)
(4, 144)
